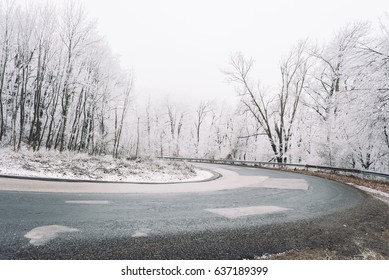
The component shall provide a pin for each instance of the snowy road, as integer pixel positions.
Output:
(61, 220)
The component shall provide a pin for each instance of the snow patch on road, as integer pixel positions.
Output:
(143, 232)
(292, 184)
(87, 202)
(233, 213)
(41, 235)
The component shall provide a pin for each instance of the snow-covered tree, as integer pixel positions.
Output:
(275, 113)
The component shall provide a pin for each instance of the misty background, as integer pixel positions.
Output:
(301, 81)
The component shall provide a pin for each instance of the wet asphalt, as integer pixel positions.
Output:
(177, 226)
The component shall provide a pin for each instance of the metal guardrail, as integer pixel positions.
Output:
(364, 173)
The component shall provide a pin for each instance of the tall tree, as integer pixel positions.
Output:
(276, 113)
(43, 36)
(76, 31)
(119, 123)
(202, 110)
(336, 70)
(7, 14)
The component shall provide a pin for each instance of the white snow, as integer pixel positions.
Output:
(41, 235)
(233, 213)
(229, 180)
(379, 194)
(67, 165)
(293, 184)
(87, 202)
(143, 232)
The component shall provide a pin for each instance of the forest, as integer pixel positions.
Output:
(62, 88)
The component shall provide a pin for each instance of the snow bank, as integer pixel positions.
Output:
(68, 165)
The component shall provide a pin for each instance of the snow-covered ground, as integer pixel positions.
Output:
(68, 165)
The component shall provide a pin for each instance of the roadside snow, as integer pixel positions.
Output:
(379, 194)
(68, 165)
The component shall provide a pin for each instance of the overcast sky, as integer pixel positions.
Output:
(178, 48)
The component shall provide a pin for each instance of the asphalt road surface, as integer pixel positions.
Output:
(247, 213)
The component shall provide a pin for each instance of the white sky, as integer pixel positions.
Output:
(178, 48)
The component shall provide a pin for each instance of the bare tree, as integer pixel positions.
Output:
(43, 36)
(148, 123)
(175, 122)
(76, 29)
(119, 124)
(6, 29)
(25, 53)
(201, 112)
(274, 114)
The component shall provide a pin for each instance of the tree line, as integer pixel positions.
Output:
(60, 85)
(330, 108)
(332, 103)
(61, 88)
